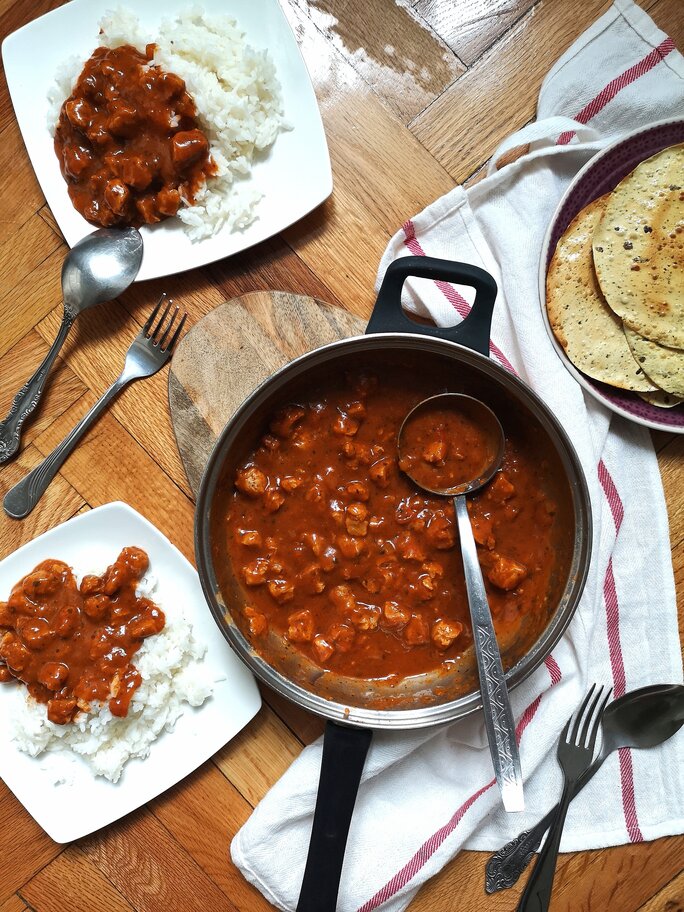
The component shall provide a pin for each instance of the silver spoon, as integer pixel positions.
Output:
(640, 719)
(97, 269)
(498, 715)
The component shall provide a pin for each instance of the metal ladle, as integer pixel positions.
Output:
(499, 721)
(97, 269)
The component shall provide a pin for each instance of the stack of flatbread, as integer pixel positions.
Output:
(615, 286)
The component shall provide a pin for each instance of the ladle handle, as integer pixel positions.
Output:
(344, 754)
(498, 715)
(473, 332)
(28, 396)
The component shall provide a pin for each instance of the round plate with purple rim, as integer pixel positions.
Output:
(600, 175)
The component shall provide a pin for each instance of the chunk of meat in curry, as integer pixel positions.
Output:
(128, 140)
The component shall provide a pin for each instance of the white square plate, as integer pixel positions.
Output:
(86, 802)
(294, 176)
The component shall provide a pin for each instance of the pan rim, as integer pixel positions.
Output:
(429, 715)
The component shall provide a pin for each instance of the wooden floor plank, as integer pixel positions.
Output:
(63, 387)
(71, 882)
(469, 27)
(14, 904)
(259, 755)
(20, 254)
(60, 502)
(402, 60)
(203, 814)
(24, 847)
(669, 899)
(343, 240)
(96, 353)
(124, 472)
(457, 130)
(150, 869)
(19, 190)
(21, 310)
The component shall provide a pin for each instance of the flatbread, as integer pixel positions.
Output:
(661, 399)
(590, 333)
(639, 248)
(663, 365)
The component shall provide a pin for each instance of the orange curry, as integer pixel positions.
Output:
(337, 551)
(443, 448)
(72, 645)
(128, 141)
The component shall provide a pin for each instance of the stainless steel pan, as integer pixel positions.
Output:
(352, 705)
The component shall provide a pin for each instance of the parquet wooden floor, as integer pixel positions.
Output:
(392, 79)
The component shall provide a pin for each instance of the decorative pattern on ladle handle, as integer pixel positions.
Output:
(28, 397)
(494, 689)
(498, 716)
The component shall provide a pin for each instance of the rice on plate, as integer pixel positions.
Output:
(170, 663)
(236, 92)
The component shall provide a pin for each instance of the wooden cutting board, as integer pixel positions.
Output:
(230, 351)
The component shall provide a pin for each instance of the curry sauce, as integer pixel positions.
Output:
(336, 551)
(128, 140)
(73, 645)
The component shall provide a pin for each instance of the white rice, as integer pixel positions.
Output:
(173, 674)
(236, 92)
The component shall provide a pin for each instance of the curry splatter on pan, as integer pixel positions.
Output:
(354, 704)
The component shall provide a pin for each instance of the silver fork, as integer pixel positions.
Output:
(148, 353)
(575, 753)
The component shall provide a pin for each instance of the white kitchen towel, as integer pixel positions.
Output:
(425, 795)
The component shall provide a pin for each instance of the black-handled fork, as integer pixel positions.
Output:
(575, 753)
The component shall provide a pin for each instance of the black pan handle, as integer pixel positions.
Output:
(344, 753)
(473, 332)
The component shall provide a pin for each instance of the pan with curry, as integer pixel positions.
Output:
(340, 584)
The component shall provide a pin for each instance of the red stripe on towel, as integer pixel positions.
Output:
(617, 663)
(453, 297)
(616, 85)
(430, 846)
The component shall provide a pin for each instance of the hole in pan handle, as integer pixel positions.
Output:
(344, 753)
(388, 314)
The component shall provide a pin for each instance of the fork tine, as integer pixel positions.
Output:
(160, 322)
(154, 313)
(597, 719)
(177, 333)
(579, 715)
(589, 717)
(166, 331)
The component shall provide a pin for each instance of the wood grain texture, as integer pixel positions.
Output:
(24, 847)
(231, 351)
(498, 94)
(60, 502)
(203, 814)
(403, 61)
(73, 882)
(14, 904)
(670, 898)
(259, 755)
(376, 67)
(63, 387)
(469, 27)
(21, 311)
(150, 869)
